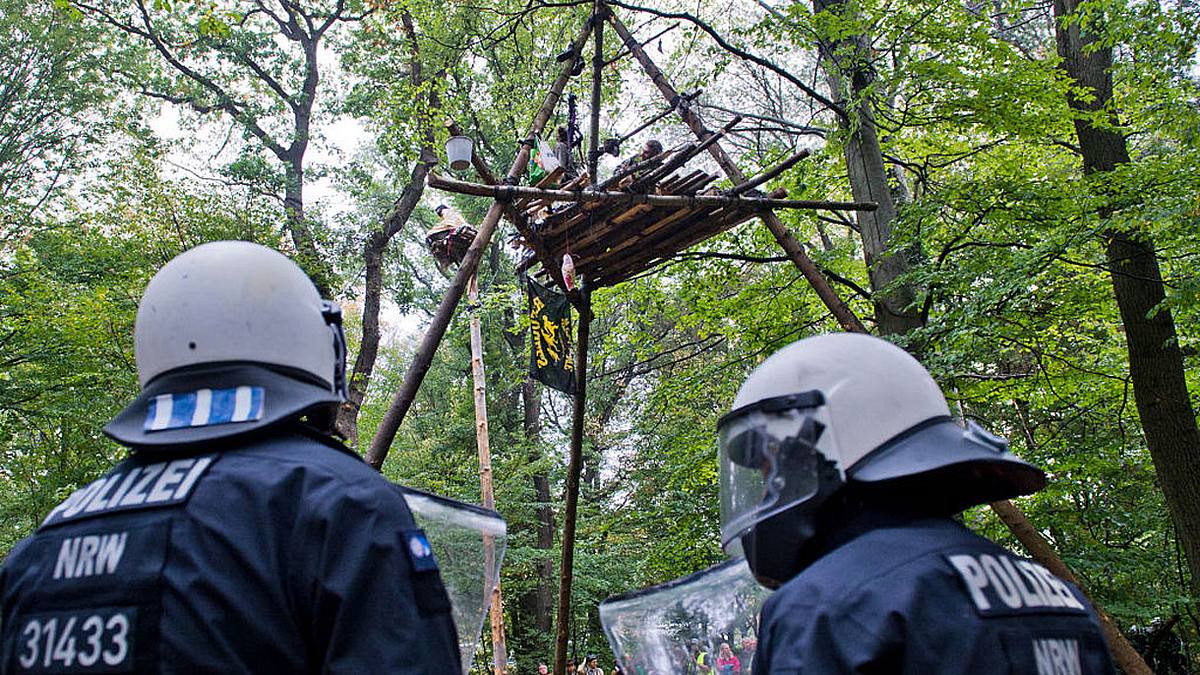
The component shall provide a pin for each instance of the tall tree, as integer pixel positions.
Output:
(1155, 360)
(255, 62)
(55, 104)
(846, 58)
(377, 240)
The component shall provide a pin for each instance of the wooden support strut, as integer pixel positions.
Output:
(790, 245)
(415, 374)
(768, 175)
(486, 493)
(505, 192)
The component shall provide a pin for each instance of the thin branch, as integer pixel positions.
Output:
(740, 53)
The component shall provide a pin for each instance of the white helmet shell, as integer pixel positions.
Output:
(231, 337)
(873, 390)
(232, 301)
(844, 408)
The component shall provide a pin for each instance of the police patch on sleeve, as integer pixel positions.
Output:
(419, 551)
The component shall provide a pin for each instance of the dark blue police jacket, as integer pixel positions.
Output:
(927, 596)
(279, 556)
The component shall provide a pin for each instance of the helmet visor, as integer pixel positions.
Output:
(768, 463)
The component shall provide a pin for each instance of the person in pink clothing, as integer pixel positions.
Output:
(727, 663)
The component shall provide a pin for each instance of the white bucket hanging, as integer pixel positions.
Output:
(458, 152)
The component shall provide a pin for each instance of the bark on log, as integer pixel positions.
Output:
(486, 493)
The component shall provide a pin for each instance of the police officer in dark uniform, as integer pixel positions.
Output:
(840, 472)
(237, 536)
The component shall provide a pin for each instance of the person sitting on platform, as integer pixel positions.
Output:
(650, 148)
(449, 239)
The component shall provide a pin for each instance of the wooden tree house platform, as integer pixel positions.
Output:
(637, 219)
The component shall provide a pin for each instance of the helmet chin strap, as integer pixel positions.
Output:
(333, 318)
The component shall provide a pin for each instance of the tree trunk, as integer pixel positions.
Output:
(1155, 361)
(848, 71)
(298, 227)
(543, 604)
(368, 347)
(293, 199)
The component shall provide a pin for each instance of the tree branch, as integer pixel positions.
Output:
(740, 53)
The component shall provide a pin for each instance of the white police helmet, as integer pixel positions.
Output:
(230, 337)
(849, 408)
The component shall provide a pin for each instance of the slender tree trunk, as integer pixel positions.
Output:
(849, 74)
(368, 347)
(298, 227)
(293, 200)
(543, 601)
(1155, 361)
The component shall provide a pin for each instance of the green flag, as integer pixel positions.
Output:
(550, 359)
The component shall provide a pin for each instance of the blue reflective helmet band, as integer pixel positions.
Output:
(204, 407)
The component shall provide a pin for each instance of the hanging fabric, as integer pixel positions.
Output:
(550, 360)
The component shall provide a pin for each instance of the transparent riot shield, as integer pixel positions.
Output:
(468, 542)
(664, 629)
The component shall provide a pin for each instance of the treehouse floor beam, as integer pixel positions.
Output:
(508, 192)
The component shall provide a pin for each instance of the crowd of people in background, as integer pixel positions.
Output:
(730, 659)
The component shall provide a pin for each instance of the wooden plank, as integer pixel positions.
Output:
(548, 181)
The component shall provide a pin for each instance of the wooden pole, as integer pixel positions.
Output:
(790, 245)
(768, 175)
(487, 495)
(415, 374)
(566, 567)
(506, 192)
(597, 70)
